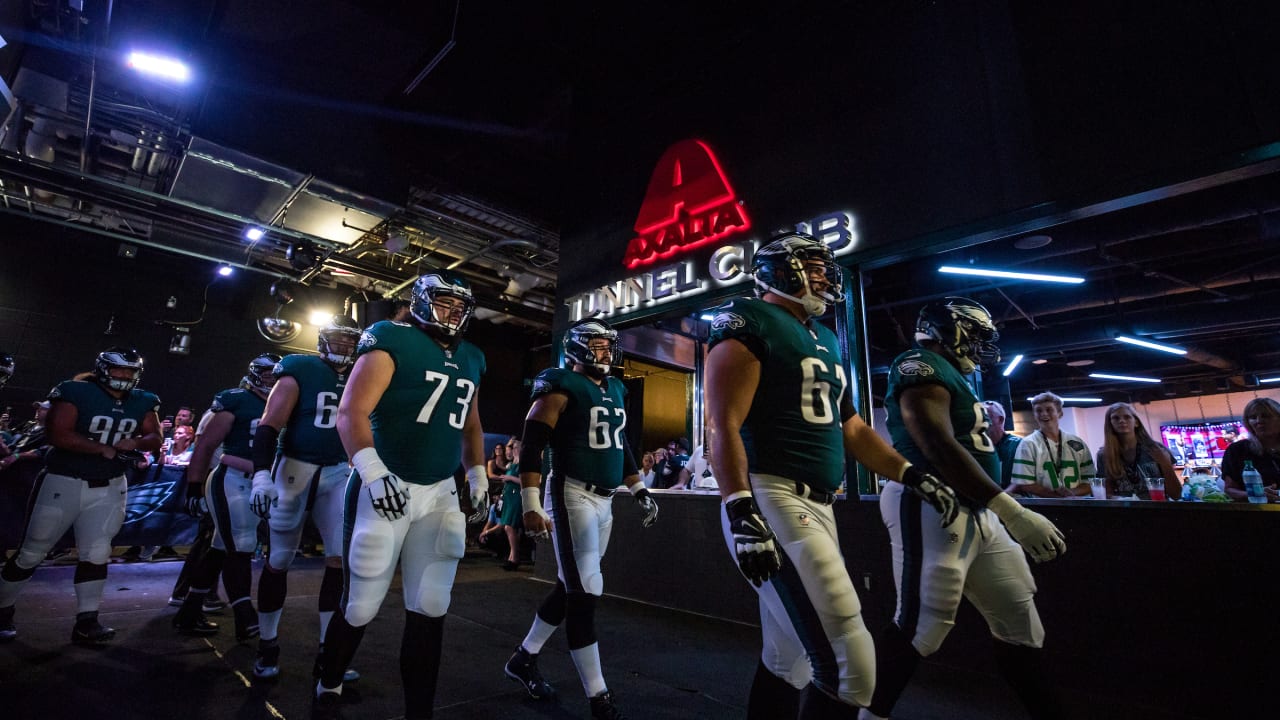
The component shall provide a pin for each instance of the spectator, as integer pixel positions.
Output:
(668, 470)
(1262, 447)
(496, 467)
(1050, 462)
(646, 470)
(512, 506)
(493, 536)
(1130, 455)
(697, 474)
(1006, 443)
(183, 443)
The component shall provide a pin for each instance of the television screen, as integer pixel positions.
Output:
(1202, 443)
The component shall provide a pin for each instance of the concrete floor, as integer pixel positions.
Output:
(660, 663)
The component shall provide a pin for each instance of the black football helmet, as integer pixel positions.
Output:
(262, 372)
(577, 346)
(965, 330)
(118, 357)
(779, 268)
(339, 327)
(427, 290)
(6, 367)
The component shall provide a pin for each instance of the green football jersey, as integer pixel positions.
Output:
(312, 432)
(588, 441)
(417, 424)
(968, 417)
(246, 407)
(102, 418)
(794, 428)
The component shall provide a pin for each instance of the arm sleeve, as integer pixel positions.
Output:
(264, 447)
(536, 436)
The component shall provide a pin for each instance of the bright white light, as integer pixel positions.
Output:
(320, 317)
(161, 67)
(225, 270)
(707, 317)
(981, 272)
(1134, 378)
(1270, 380)
(1012, 364)
(1075, 400)
(254, 233)
(1151, 345)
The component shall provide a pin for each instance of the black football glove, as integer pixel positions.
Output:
(753, 540)
(195, 502)
(648, 506)
(942, 498)
(128, 459)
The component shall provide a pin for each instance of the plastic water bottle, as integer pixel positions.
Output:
(1253, 483)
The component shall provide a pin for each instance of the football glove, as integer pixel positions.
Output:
(754, 542)
(933, 491)
(1033, 531)
(387, 493)
(196, 505)
(264, 495)
(478, 484)
(128, 459)
(648, 506)
(539, 526)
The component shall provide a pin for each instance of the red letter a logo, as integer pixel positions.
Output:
(688, 204)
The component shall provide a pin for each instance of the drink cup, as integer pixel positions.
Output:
(1099, 487)
(1155, 488)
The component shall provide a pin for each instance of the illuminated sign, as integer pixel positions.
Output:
(688, 205)
(729, 264)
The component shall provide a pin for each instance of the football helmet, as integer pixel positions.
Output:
(6, 367)
(339, 328)
(118, 357)
(779, 268)
(578, 349)
(262, 372)
(428, 290)
(965, 330)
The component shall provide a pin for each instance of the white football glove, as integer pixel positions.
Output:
(478, 484)
(1033, 531)
(388, 494)
(264, 495)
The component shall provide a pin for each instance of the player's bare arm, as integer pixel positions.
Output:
(369, 379)
(871, 450)
(926, 415)
(210, 440)
(280, 403)
(733, 374)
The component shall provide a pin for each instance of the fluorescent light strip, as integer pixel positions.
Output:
(1134, 378)
(1012, 364)
(707, 317)
(980, 272)
(1074, 399)
(1270, 380)
(164, 67)
(1151, 345)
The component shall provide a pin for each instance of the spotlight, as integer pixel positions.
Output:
(302, 256)
(277, 330)
(254, 233)
(320, 317)
(282, 291)
(225, 270)
(180, 343)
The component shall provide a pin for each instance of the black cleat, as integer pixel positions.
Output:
(602, 707)
(89, 631)
(326, 705)
(267, 665)
(523, 668)
(8, 633)
(199, 626)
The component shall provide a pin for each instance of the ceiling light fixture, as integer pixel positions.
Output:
(1151, 345)
(319, 317)
(1075, 400)
(1269, 380)
(708, 317)
(983, 272)
(1012, 364)
(159, 66)
(1040, 361)
(1132, 378)
(225, 270)
(254, 233)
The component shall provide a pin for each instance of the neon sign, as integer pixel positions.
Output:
(729, 264)
(688, 205)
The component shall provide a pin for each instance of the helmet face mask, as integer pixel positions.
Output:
(965, 330)
(788, 266)
(586, 341)
(442, 304)
(118, 357)
(337, 342)
(261, 374)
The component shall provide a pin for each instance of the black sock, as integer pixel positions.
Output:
(420, 651)
(330, 589)
(817, 705)
(340, 643)
(552, 609)
(273, 586)
(771, 697)
(1022, 668)
(237, 575)
(896, 661)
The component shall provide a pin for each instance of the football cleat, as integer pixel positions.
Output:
(351, 675)
(602, 707)
(198, 626)
(267, 665)
(523, 668)
(88, 631)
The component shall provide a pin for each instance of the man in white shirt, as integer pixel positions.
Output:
(1051, 462)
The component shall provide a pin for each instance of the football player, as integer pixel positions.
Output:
(580, 414)
(937, 422)
(784, 422)
(310, 476)
(97, 428)
(408, 415)
(236, 414)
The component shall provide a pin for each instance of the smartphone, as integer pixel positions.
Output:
(168, 419)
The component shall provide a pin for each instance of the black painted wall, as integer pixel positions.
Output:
(60, 289)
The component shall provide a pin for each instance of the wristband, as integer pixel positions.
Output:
(1004, 506)
(369, 466)
(530, 500)
(737, 496)
(902, 474)
(638, 488)
(477, 478)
